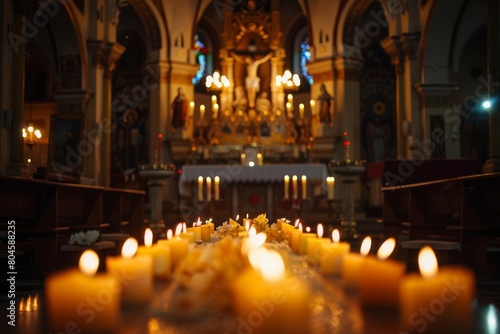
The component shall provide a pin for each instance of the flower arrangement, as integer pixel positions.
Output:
(261, 224)
(84, 238)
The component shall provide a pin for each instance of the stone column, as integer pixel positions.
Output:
(113, 52)
(15, 165)
(160, 100)
(277, 92)
(493, 163)
(226, 94)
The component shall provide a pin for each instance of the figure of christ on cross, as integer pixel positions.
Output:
(252, 81)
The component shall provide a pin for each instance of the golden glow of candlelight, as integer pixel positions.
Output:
(335, 236)
(178, 229)
(184, 227)
(386, 249)
(365, 246)
(308, 229)
(252, 231)
(148, 237)
(427, 262)
(31, 304)
(272, 267)
(256, 256)
(89, 262)
(198, 222)
(300, 227)
(247, 225)
(319, 231)
(297, 222)
(254, 241)
(237, 217)
(129, 248)
(169, 234)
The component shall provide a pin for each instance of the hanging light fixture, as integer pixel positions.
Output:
(31, 135)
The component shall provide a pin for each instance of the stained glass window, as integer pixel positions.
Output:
(305, 56)
(201, 58)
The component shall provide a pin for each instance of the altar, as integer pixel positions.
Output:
(241, 190)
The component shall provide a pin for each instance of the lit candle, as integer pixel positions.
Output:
(303, 243)
(330, 183)
(215, 113)
(196, 230)
(304, 187)
(208, 180)
(290, 99)
(281, 302)
(214, 100)
(287, 186)
(191, 108)
(314, 244)
(295, 189)
(216, 188)
(352, 264)
(445, 295)
(247, 223)
(202, 111)
(80, 299)
(380, 278)
(301, 110)
(200, 188)
(205, 231)
(332, 255)
(260, 159)
(159, 255)
(212, 226)
(137, 271)
(313, 107)
(289, 108)
(181, 231)
(179, 247)
(295, 238)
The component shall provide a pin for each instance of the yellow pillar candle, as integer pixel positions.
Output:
(304, 187)
(205, 231)
(78, 299)
(313, 245)
(301, 110)
(136, 271)
(295, 188)
(331, 255)
(303, 242)
(313, 107)
(189, 236)
(200, 188)
(286, 182)
(330, 183)
(212, 227)
(202, 111)
(160, 256)
(352, 264)
(179, 248)
(275, 303)
(295, 239)
(196, 230)
(216, 188)
(437, 301)
(380, 278)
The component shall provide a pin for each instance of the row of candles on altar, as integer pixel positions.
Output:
(445, 294)
(94, 306)
(330, 185)
(207, 182)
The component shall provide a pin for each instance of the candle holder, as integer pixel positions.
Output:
(156, 175)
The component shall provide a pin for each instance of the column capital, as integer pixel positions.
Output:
(182, 73)
(113, 51)
(440, 95)
(393, 46)
(411, 44)
(348, 68)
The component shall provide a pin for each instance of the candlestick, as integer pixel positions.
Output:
(209, 188)
(304, 187)
(445, 294)
(295, 189)
(286, 187)
(330, 182)
(216, 188)
(94, 298)
(200, 188)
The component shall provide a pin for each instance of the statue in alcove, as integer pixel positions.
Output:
(325, 102)
(180, 106)
(252, 81)
(262, 104)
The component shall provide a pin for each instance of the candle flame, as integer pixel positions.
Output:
(308, 229)
(427, 262)
(184, 227)
(386, 249)
(300, 227)
(247, 225)
(365, 246)
(21, 304)
(319, 231)
(169, 234)
(28, 305)
(335, 236)
(273, 267)
(297, 222)
(237, 217)
(178, 229)
(89, 262)
(148, 237)
(35, 303)
(129, 248)
(254, 241)
(252, 231)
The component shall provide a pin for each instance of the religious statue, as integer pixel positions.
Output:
(252, 81)
(262, 103)
(180, 107)
(240, 100)
(325, 102)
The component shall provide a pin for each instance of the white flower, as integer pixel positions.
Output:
(84, 238)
